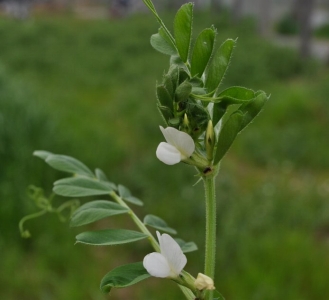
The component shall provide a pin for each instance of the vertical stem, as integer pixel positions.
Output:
(210, 255)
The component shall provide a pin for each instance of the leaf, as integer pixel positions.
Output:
(42, 154)
(158, 223)
(68, 164)
(202, 51)
(183, 30)
(217, 68)
(109, 237)
(252, 108)
(124, 276)
(162, 43)
(125, 194)
(183, 91)
(94, 211)
(186, 246)
(235, 95)
(164, 97)
(218, 296)
(228, 134)
(101, 175)
(82, 187)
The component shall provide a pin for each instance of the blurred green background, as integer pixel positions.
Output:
(85, 88)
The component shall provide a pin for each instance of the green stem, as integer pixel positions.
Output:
(210, 255)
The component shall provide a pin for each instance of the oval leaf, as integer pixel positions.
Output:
(109, 237)
(82, 187)
(183, 30)
(94, 211)
(124, 276)
(228, 134)
(42, 154)
(68, 164)
(235, 95)
(158, 223)
(202, 51)
(217, 68)
(162, 43)
(187, 246)
(101, 175)
(125, 194)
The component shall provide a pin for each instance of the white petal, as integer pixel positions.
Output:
(157, 265)
(172, 252)
(168, 154)
(180, 140)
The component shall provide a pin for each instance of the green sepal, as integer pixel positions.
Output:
(125, 194)
(183, 30)
(183, 91)
(82, 187)
(186, 246)
(218, 65)
(158, 223)
(124, 276)
(94, 211)
(202, 51)
(228, 134)
(108, 237)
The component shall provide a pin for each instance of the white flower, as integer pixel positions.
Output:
(179, 146)
(169, 263)
(204, 282)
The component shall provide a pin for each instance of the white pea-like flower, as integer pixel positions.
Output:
(179, 146)
(204, 282)
(169, 263)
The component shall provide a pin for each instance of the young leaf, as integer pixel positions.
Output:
(94, 211)
(158, 223)
(186, 246)
(162, 43)
(183, 30)
(202, 51)
(125, 194)
(252, 108)
(109, 237)
(82, 187)
(235, 95)
(217, 68)
(228, 134)
(183, 91)
(68, 164)
(164, 97)
(124, 276)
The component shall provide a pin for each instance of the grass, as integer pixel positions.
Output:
(86, 89)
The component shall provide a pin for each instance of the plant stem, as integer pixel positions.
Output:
(210, 252)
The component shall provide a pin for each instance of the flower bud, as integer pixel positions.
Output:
(210, 140)
(204, 282)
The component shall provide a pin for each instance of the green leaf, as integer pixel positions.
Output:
(218, 296)
(252, 108)
(217, 68)
(125, 194)
(158, 223)
(68, 164)
(202, 51)
(186, 246)
(82, 187)
(164, 97)
(162, 43)
(228, 134)
(101, 175)
(124, 276)
(94, 211)
(235, 95)
(109, 237)
(183, 30)
(42, 154)
(183, 91)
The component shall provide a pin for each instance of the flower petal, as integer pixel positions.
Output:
(180, 140)
(168, 154)
(172, 252)
(157, 265)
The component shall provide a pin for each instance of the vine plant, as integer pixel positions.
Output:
(202, 121)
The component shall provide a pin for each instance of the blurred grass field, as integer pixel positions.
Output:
(85, 88)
